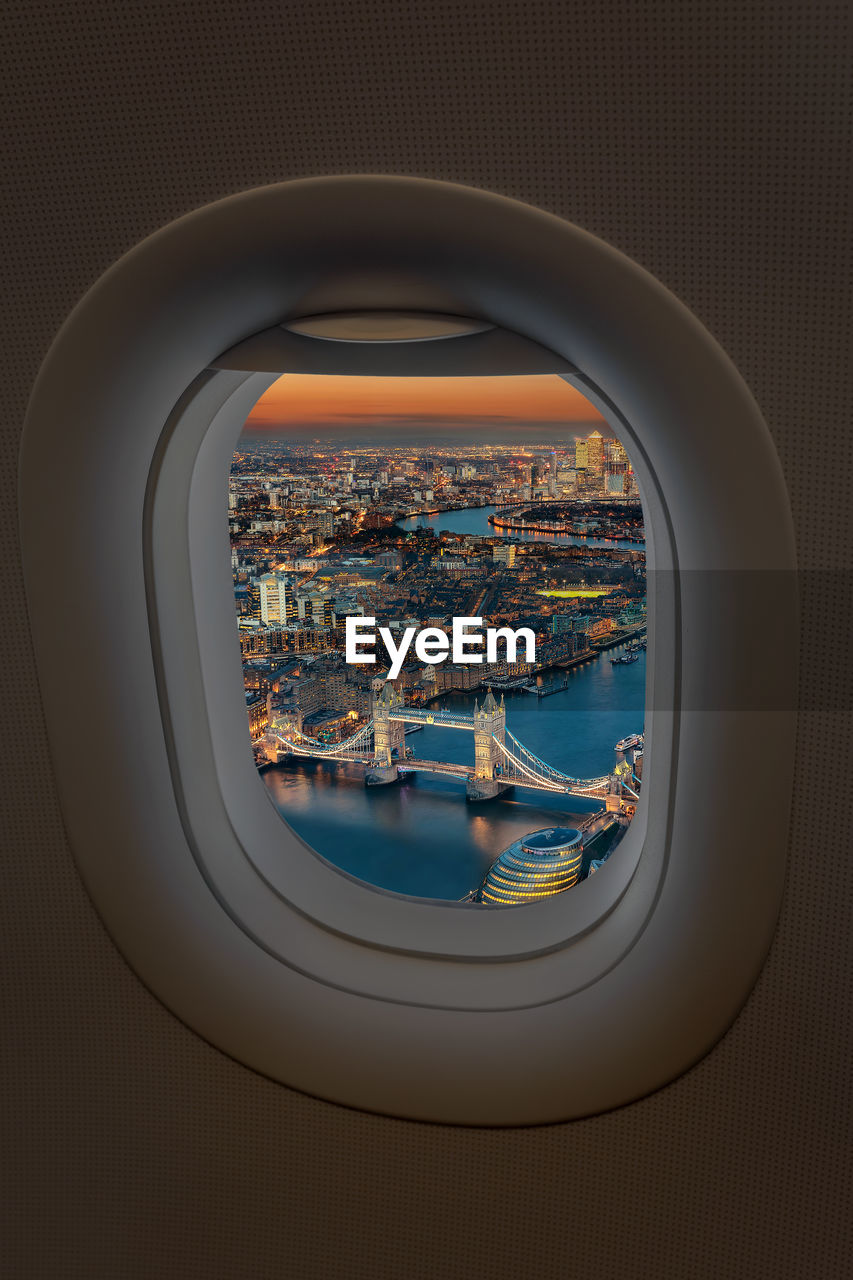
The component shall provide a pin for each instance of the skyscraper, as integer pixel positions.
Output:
(567, 477)
(616, 469)
(614, 452)
(595, 457)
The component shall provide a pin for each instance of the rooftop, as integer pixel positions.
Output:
(551, 839)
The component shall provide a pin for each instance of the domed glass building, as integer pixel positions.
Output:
(536, 866)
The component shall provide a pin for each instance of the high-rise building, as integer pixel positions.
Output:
(276, 598)
(616, 469)
(504, 554)
(326, 524)
(595, 456)
(614, 452)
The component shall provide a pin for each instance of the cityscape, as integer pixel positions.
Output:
(443, 648)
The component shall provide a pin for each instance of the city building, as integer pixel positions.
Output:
(316, 608)
(536, 866)
(256, 707)
(450, 676)
(504, 554)
(275, 598)
(595, 454)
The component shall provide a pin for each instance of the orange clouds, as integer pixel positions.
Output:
(327, 400)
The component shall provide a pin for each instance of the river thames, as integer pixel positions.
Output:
(420, 836)
(475, 520)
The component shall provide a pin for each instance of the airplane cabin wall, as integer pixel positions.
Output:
(709, 142)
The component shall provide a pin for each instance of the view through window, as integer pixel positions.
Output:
(441, 600)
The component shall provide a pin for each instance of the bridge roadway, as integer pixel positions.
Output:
(414, 764)
(423, 715)
(516, 770)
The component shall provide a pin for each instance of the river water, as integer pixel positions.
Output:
(421, 836)
(476, 520)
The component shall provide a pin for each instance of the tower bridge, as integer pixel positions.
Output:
(500, 760)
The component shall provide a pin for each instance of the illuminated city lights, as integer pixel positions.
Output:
(405, 587)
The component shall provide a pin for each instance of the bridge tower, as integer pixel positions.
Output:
(388, 734)
(489, 736)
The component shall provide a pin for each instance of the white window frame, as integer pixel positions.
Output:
(414, 1008)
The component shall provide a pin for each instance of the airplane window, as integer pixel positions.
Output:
(441, 600)
(483, 538)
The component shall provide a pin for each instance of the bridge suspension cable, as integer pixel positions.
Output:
(533, 766)
(359, 743)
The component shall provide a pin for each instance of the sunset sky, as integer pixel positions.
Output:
(522, 408)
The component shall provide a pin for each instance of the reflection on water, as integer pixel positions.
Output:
(420, 836)
(475, 520)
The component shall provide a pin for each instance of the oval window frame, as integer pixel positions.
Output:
(339, 997)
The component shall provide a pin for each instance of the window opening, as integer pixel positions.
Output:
(441, 600)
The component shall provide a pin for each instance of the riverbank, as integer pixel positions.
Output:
(614, 639)
(565, 665)
(558, 530)
(596, 648)
(476, 520)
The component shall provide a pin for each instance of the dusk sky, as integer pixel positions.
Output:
(530, 408)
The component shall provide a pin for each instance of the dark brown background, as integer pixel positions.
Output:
(711, 142)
